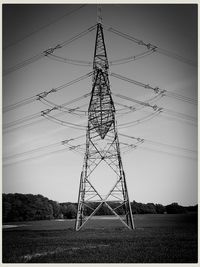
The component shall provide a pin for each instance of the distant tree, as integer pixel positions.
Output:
(7, 208)
(175, 208)
(63, 208)
(69, 210)
(192, 208)
(140, 208)
(103, 210)
(27, 207)
(150, 208)
(134, 207)
(56, 209)
(18, 207)
(160, 209)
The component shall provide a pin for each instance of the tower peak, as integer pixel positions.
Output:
(99, 14)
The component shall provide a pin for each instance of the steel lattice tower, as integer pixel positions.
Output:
(102, 145)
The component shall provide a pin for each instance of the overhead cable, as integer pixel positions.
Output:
(43, 155)
(138, 121)
(11, 129)
(23, 64)
(146, 86)
(156, 89)
(179, 119)
(151, 46)
(89, 63)
(22, 120)
(146, 104)
(25, 153)
(70, 61)
(160, 109)
(35, 150)
(63, 108)
(73, 111)
(168, 153)
(132, 58)
(44, 94)
(159, 143)
(19, 104)
(131, 147)
(63, 123)
(180, 115)
(180, 97)
(134, 108)
(44, 112)
(44, 26)
(47, 52)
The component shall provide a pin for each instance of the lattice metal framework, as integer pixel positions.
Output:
(102, 145)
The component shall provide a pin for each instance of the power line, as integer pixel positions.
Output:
(180, 97)
(31, 151)
(41, 156)
(175, 56)
(156, 89)
(74, 111)
(167, 116)
(62, 107)
(35, 150)
(130, 149)
(160, 109)
(44, 26)
(138, 121)
(70, 61)
(168, 153)
(146, 86)
(44, 94)
(145, 104)
(111, 63)
(20, 103)
(132, 58)
(134, 109)
(39, 149)
(151, 46)
(142, 141)
(7, 130)
(64, 123)
(159, 143)
(22, 120)
(23, 63)
(22, 126)
(180, 115)
(47, 52)
(45, 113)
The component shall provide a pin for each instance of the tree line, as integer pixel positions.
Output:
(28, 207)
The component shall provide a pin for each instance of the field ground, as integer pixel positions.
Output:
(157, 238)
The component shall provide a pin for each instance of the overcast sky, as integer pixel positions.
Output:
(158, 177)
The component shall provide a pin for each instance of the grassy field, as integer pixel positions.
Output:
(157, 239)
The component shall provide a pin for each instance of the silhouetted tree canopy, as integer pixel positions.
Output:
(28, 207)
(175, 208)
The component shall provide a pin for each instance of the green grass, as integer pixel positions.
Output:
(156, 239)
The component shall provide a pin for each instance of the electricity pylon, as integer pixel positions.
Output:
(102, 145)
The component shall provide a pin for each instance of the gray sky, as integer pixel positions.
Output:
(151, 176)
